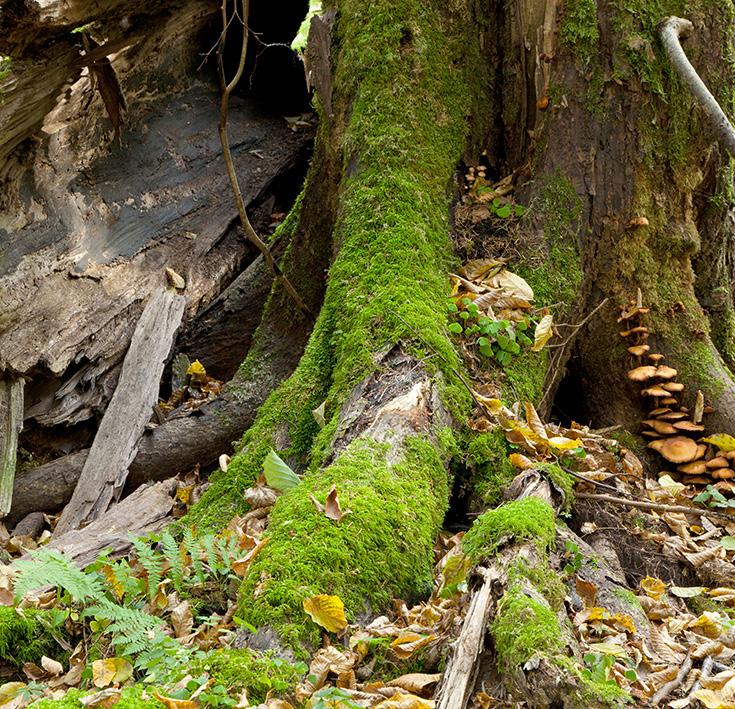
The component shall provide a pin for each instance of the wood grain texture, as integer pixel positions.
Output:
(116, 442)
(11, 423)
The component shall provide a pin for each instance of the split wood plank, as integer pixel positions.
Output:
(459, 678)
(11, 423)
(143, 512)
(116, 442)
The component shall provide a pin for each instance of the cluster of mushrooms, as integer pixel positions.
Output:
(674, 431)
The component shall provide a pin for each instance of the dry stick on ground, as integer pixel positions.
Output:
(672, 29)
(114, 447)
(227, 89)
(669, 687)
(655, 506)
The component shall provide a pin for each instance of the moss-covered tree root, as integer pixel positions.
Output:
(379, 356)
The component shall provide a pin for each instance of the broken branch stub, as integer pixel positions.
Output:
(116, 442)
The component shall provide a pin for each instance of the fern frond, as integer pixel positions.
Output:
(132, 629)
(195, 554)
(174, 555)
(48, 567)
(151, 561)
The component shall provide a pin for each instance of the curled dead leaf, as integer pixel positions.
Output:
(327, 611)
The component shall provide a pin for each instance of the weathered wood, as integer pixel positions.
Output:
(11, 423)
(115, 444)
(460, 675)
(146, 510)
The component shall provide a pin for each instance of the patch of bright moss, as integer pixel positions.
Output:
(563, 482)
(529, 518)
(135, 697)
(487, 458)
(543, 578)
(25, 638)
(627, 596)
(244, 670)
(590, 693)
(523, 628)
(382, 549)
(579, 29)
(524, 376)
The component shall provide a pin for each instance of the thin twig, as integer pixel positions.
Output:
(655, 506)
(579, 325)
(669, 687)
(227, 89)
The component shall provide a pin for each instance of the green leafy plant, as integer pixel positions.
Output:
(712, 497)
(499, 340)
(574, 558)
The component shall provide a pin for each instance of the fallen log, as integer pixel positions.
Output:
(106, 468)
(145, 511)
(11, 423)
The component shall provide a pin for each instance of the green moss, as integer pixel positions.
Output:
(543, 578)
(523, 628)
(589, 693)
(529, 518)
(525, 375)
(26, 637)
(491, 471)
(135, 697)
(627, 596)
(382, 549)
(562, 482)
(244, 670)
(578, 28)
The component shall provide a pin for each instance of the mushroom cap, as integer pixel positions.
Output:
(723, 474)
(730, 455)
(696, 480)
(689, 426)
(679, 449)
(657, 445)
(655, 357)
(725, 485)
(639, 330)
(673, 386)
(663, 371)
(638, 350)
(701, 450)
(718, 462)
(696, 467)
(671, 415)
(642, 374)
(650, 434)
(658, 412)
(660, 426)
(655, 390)
(669, 401)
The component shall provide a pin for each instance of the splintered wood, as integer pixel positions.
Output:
(116, 442)
(11, 423)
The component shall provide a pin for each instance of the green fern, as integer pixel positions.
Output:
(151, 561)
(132, 629)
(48, 567)
(174, 555)
(195, 554)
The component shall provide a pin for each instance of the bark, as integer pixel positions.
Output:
(11, 423)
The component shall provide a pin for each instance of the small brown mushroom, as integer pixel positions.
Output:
(638, 350)
(696, 467)
(725, 486)
(657, 445)
(672, 415)
(655, 357)
(642, 374)
(696, 480)
(651, 434)
(655, 391)
(673, 386)
(639, 330)
(730, 455)
(663, 371)
(718, 462)
(669, 401)
(678, 449)
(658, 412)
(723, 474)
(701, 450)
(688, 426)
(660, 426)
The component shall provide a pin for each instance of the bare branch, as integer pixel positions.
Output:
(672, 29)
(227, 89)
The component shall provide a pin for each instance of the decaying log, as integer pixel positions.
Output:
(145, 511)
(106, 467)
(11, 423)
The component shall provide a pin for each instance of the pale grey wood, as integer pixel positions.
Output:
(116, 442)
(11, 423)
(145, 511)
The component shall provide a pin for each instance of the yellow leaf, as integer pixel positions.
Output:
(708, 624)
(544, 331)
(115, 584)
(561, 443)
(327, 611)
(518, 460)
(722, 440)
(654, 588)
(626, 621)
(10, 690)
(608, 649)
(111, 670)
(408, 642)
(196, 371)
(492, 406)
(171, 703)
(416, 682)
(711, 699)
(670, 485)
(240, 566)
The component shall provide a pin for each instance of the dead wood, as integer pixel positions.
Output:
(11, 423)
(106, 468)
(145, 511)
